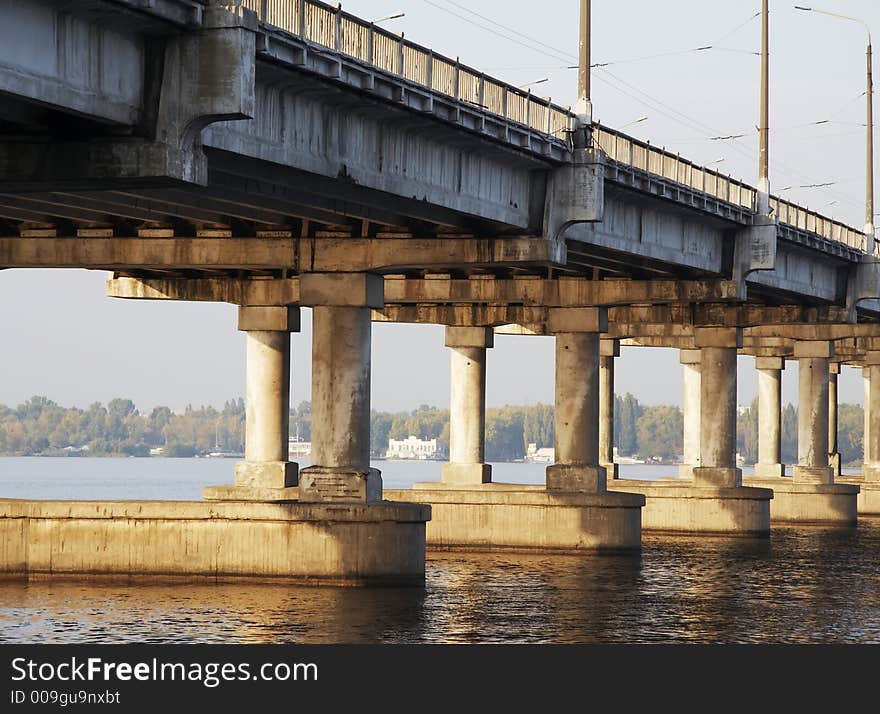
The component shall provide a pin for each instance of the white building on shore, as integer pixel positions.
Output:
(297, 448)
(411, 448)
(544, 455)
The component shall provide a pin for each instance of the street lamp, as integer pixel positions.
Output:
(634, 121)
(389, 17)
(869, 147)
(529, 84)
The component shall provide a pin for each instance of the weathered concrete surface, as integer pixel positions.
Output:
(769, 416)
(871, 466)
(608, 351)
(55, 58)
(511, 516)
(267, 396)
(340, 408)
(680, 507)
(252, 493)
(869, 494)
(812, 466)
(718, 407)
(690, 360)
(350, 543)
(833, 453)
(467, 405)
(798, 502)
(576, 438)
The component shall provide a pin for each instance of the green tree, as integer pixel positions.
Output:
(850, 427)
(625, 428)
(504, 434)
(788, 437)
(659, 432)
(747, 433)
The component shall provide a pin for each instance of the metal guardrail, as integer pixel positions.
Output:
(659, 162)
(335, 29)
(329, 26)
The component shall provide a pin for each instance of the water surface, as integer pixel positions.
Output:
(806, 584)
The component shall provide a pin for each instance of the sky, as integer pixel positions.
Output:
(62, 338)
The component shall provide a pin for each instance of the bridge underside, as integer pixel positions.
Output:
(205, 156)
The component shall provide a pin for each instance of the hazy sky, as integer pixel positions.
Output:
(64, 339)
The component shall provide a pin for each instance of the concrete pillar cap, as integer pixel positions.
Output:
(342, 290)
(770, 363)
(813, 349)
(470, 337)
(268, 318)
(577, 319)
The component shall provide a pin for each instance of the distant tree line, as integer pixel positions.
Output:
(652, 433)
(41, 426)
(850, 426)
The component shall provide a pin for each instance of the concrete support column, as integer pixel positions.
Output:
(871, 468)
(467, 405)
(690, 360)
(769, 416)
(833, 453)
(813, 359)
(341, 332)
(577, 400)
(866, 412)
(718, 348)
(608, 350)
(266, 462)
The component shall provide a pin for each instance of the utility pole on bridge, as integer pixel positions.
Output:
(583, 128)
(764, 128)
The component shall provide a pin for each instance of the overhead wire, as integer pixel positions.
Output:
(653, 103)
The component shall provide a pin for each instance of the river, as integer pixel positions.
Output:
(805, 584)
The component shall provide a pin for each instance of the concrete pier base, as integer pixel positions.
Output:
(460, 474)
(800, 502)
(674, 506)
(516, 517)
(351, 544)
(868, 503)
(770, 470)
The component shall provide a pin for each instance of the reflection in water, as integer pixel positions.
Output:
(803, 585)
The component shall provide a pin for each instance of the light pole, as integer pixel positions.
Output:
(764, 128)
(389, 17)
(584, 109)
(537, 81)
(634, 121)
(869, 140)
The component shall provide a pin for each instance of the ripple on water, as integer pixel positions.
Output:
(803, 585)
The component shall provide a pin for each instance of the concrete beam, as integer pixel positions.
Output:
(298, 254)
(559, 292)
(364, 254)
(715, 315)
(148, 253)
(809, 332)
(462, 315)
(253, 291)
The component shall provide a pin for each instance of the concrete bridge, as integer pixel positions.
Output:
(282, 153)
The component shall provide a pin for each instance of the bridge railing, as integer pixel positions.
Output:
(331, 27)
(659, 162)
